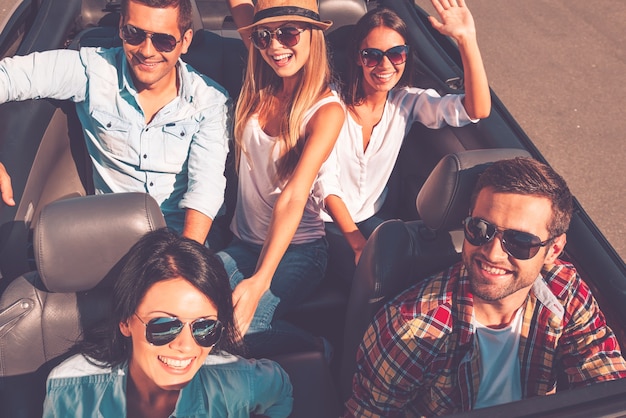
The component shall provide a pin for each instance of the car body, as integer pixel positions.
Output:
(42, 147)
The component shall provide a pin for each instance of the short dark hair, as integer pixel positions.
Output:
(353, 93)
(528, 176)
(185, 19)
(157, 256)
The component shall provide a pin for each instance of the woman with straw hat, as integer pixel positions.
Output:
(286, 124)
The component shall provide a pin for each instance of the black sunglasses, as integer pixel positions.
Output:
(164, 330)
(517, 244)
(162, 42)
(288, 36)
(371, 57)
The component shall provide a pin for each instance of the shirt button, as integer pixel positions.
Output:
(109, 125)
(145, 156)
(151, 184)
(182, 134)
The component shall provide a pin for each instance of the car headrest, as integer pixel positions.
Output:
(342, 13)
(443, 201)
(78, 240)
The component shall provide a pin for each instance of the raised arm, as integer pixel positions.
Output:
(243, 14)
(322, 132)
(458, 23)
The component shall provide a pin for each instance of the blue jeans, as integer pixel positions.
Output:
(299, 272)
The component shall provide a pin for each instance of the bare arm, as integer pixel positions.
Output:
(342, 218)
(322, 132)
(243, 15)
(197, 225)
(458, 23)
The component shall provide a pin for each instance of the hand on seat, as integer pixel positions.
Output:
(5, 186)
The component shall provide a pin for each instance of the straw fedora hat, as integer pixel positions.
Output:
(268, 11)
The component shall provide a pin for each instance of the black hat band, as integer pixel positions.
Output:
(286, 11)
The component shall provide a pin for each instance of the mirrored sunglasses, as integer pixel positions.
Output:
(517, 244)
(164, 330)
(371, 57)
(287, 36)
(162, 42)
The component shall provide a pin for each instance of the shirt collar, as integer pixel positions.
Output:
(539, 290)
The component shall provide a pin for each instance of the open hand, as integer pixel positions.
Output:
(246, 297)
(456, 19)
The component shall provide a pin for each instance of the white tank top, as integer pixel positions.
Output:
(258, 188)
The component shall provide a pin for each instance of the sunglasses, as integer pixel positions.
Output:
(371, 57)
(287, 36)
(164, 330)
(517, 244)
(162, 42)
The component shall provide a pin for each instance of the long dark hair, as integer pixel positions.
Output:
(157, 256)
(353, 93)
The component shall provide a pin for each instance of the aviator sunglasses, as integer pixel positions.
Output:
(517, 244)
(371, 57)
(164, 330)
(287, 35)
(162, 42)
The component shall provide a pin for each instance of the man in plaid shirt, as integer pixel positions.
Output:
(504, 324)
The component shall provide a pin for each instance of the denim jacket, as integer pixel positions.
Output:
(225, 386)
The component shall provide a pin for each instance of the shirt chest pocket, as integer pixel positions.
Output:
(113, 132)
(176, 142)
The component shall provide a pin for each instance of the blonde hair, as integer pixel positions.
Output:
(258, 93)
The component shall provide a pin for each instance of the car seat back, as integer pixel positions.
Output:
(398, 254)
(342, 13)
(77, 241)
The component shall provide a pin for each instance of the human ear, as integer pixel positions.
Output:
(555, 248)
(125, 328)
(186, 41)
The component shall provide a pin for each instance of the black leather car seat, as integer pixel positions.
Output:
(398, 254)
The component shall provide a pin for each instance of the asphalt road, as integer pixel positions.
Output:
(560, 68)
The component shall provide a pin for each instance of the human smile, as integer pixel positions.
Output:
(147, 64)
(178, 364)
(492, 270)
(281, 59)
(384, 76)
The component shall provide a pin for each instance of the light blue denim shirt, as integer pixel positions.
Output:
(178, 157)
(226, 386)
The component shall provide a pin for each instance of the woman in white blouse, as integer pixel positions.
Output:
(381, 107)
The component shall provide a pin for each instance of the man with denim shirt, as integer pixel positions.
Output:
(152, 123)
(504, 324)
